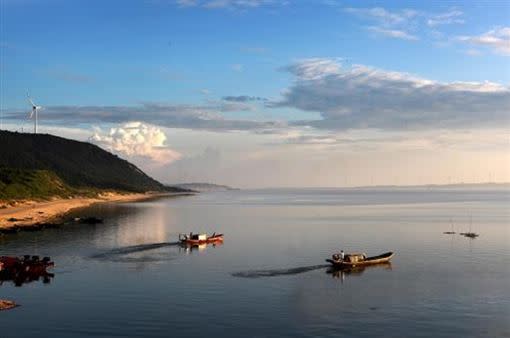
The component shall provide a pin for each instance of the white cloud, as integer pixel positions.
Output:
(136, 139)
(393, 24)
(315, 68)
(497, 39)
(393, 33)
(384, 16)
(405, 24)
(447, 18)
(366, 97)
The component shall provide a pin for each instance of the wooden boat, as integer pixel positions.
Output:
(7, 304)
(197, 239)
(342, 271)
(469, 234)
(357, 259)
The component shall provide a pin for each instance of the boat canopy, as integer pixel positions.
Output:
(199, 237)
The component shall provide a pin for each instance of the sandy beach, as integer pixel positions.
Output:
(28, 213)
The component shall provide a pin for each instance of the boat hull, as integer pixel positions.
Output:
(209, 240)
(12, 262)
(384, 258)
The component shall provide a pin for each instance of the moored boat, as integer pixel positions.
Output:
(7, 304)
(197, 239)
(26, 263)
(359, 259)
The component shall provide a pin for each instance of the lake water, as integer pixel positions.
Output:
(127, 278)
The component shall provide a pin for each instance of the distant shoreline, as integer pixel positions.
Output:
(29, 213)
(501, 185)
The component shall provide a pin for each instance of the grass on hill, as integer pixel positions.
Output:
(16, 184)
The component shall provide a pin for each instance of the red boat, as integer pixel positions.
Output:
(196, 239)
(26, 263)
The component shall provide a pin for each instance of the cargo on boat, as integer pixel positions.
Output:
(359, 259)
(196, 239)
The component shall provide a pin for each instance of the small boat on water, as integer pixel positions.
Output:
(359, 259)
(469, 234)
(197, 239)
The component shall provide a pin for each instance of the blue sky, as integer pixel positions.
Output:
(189, 55)
(118, 52)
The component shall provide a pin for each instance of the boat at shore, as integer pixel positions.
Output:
(7, 304)
(359, 259)
(26, 263)
(197, 239)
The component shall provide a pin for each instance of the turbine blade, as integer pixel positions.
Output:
(30, 100)
(31, 114)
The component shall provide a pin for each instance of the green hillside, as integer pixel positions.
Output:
(76, 164)
(32, 184)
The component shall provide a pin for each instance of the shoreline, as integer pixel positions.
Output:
(30, 213)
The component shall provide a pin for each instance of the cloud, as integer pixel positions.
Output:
(234, 106)
(399, 24)
(393, 24)
(447, 18)
(137, 139)
(498, 40)
(243, 98)
(393, 33)
(366, 97)
(315, 68)
(384, 16)
(206, 117)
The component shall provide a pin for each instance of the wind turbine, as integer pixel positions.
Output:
(33, 113)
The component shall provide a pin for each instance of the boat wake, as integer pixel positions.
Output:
(116, 254)
(278, 272)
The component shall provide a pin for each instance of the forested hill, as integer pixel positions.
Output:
(78, 164)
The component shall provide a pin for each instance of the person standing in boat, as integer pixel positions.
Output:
(339, 256)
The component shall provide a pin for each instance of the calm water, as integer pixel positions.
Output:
(117, 280)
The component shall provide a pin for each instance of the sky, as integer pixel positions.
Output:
(264, 93)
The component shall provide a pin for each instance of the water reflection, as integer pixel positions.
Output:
(134, 229)
(341, 273)
(136, 253)
(189, 248)
(20, 277)
(278, 272)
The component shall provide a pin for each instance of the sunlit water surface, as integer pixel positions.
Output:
(127, 278)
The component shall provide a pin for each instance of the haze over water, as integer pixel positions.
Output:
(127, 277)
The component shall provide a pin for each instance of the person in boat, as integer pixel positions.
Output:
(339, 256)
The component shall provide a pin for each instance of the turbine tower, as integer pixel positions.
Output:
(33, 113)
